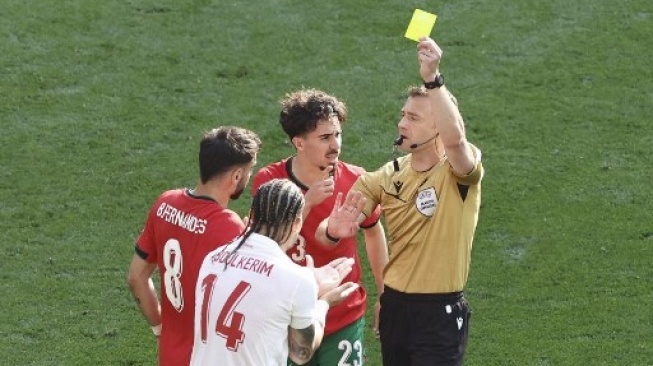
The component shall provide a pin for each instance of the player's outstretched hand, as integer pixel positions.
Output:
(336, 295)
(330, 275)
(343, 220)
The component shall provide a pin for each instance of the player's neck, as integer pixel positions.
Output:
(306, 173)
(211, 191)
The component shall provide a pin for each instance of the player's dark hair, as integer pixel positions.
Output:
(224, 148)
(275, 207)
(303, 109)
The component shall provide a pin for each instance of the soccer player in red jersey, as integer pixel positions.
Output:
(312, 120)
(183, 226)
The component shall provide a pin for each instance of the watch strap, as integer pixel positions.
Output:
(435, 84)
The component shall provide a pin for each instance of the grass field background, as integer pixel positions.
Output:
(102, 105)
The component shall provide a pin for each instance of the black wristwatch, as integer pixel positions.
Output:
(435, 84)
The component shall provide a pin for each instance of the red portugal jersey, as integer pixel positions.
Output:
(180, 231)
(345, 175)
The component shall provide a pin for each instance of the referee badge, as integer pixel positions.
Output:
(426, 201)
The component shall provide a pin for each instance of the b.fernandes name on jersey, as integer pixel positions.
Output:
(182, 219)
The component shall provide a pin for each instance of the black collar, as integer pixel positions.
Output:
(293, 178)
(199, 197)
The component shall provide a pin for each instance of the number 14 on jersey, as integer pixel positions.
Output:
(229, 324)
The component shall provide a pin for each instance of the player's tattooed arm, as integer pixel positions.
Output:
(301, 344)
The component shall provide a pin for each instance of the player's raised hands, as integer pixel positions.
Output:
(343, 220)
(336, 295)
(330, 275)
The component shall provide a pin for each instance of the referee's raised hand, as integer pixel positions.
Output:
(429, 55)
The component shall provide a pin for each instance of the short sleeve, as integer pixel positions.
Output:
(475, 176)
(304, 300)
(145, 244)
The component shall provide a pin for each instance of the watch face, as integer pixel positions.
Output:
(438, 82)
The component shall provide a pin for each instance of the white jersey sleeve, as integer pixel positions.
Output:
(305, 297)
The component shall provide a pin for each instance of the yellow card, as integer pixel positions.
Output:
(420, 25)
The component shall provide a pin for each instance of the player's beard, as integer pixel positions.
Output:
(239, 189)
(236, 195)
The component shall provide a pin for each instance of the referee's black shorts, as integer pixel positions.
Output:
(423, 329)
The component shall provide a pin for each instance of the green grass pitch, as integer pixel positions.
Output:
(102, 104)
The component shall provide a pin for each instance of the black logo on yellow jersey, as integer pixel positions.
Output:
(398, 186)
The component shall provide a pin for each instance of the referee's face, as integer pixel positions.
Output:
(416, 124)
